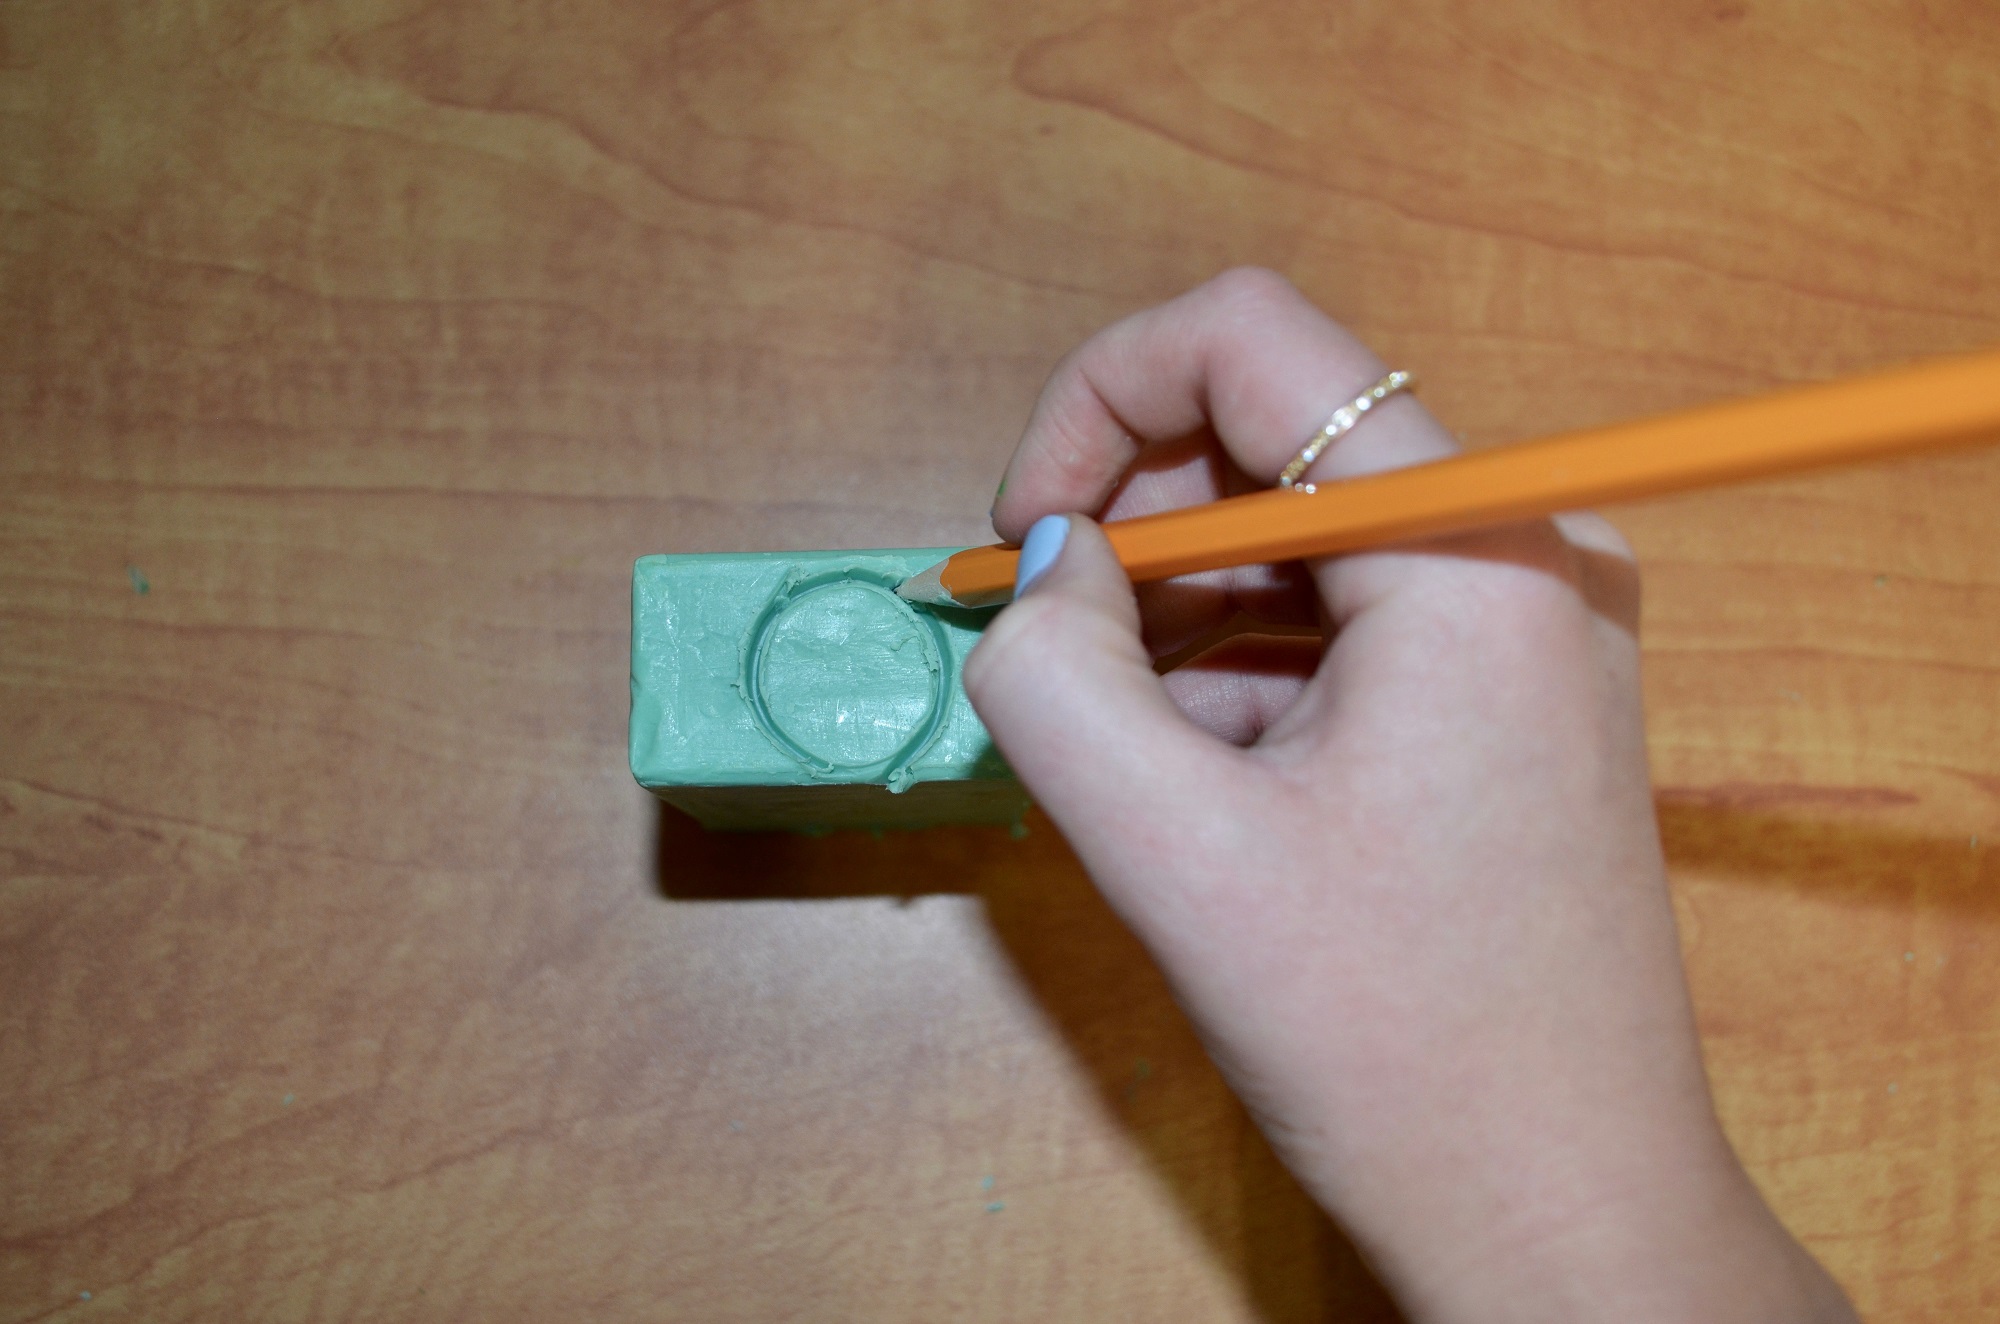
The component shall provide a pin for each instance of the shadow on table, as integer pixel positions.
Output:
(1096, 984)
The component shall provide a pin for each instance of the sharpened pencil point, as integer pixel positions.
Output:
(927, 588)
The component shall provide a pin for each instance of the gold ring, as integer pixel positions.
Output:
(1342, 423)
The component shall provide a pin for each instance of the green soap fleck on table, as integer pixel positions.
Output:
(795, 690)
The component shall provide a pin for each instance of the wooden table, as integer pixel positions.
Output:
(352, 351)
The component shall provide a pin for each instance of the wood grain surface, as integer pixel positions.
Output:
(349, 353)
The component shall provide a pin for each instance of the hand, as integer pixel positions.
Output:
(1408, 886)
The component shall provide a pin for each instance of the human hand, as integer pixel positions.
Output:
(1410, 887)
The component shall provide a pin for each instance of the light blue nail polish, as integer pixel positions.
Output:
(1039, 551)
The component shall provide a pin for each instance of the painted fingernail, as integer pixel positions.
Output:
(990, 510)
(1039, 551)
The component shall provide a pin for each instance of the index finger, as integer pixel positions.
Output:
(1245, 354)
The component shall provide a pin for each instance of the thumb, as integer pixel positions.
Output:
(1068, 691)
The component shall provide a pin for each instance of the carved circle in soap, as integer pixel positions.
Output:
(846, 676)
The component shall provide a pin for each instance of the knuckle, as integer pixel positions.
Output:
(1616, 543)
(1070, 452)
(1531, 545)
(1253, 290)
(1590, 529)
(1619, 571)
(1607, 565)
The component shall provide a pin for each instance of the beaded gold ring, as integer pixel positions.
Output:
(1342, 423)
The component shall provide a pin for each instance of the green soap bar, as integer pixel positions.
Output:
(796, 690)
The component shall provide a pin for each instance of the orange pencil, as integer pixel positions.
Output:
(1942, 403)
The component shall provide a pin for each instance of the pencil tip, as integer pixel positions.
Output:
(927, 588)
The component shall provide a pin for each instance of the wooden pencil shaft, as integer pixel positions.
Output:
(1934, 404)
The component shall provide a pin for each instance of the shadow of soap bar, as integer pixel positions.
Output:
(796, 690)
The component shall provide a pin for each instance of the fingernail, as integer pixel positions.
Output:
(994, 508)
(1039, 551)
